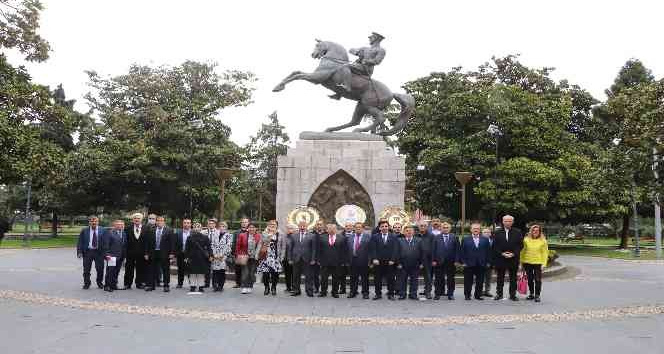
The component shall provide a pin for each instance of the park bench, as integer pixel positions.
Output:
(572, 237)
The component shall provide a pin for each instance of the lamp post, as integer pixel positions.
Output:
(463, 178)
(223, 174)
(28, 217)
(495, 131)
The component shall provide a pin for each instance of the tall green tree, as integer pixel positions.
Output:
(160, 140)
(262, 152)
(545, 169)
(631, 127)
(19, 26)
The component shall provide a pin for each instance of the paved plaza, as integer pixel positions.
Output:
(600, 306)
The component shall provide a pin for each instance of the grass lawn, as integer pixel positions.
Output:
(606, 253)
(60, 241)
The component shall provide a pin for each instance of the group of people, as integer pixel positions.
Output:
(398, 255)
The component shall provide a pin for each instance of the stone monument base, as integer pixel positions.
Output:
(329, 170)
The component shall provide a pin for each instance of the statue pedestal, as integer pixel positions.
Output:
(328, 170)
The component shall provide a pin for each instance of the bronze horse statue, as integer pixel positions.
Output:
(372, 96)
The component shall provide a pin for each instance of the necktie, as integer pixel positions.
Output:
(384, 238)
(445, 239)
(357, 243)
(94, 238)
(158, 237)
(137, 232)
(331, 240)
(301, 236)
(507, 235)
(477, 241)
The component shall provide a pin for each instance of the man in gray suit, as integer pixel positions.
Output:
(301, 254)
(113, 247)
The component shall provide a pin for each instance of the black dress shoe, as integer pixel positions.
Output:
(450, 297)
(192, 289)
(377, 297)
(514, 298)
(468, 298)
(266, 292)
(498, 297)
(310, 294)
(297, 293)
(336, 296)
(149, 288)
(365, 296)
(140, 286)
(487, 294)
(86, 286)
(322, 295)
(166, 289)
(236, 286)
(537, 299)
(110, 290)
(200, 289)
(413, 297)
(125, 288)
(288, 291)
(530, 297)
(342, 291)
(351, 296)
(390, 297)
(428, 296)
(100, 285)
(402, 297)
(179, 286)
(479, 298)
(437, 297)
(106, 288)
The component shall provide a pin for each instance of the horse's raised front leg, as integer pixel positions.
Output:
(378, 116)
(360, 111)
(289, 78)
(316, 77)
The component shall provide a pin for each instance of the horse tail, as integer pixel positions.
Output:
(407, 103)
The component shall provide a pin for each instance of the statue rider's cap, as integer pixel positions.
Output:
(377, 35)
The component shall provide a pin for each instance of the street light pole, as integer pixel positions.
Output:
(463, 178)
(28, 218)
(658, 211)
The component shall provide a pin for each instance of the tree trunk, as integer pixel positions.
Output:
(624, 234)
(54, 224)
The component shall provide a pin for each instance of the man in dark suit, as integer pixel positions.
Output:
(444, 255)
(135, 262)
(244, 224)
(332, 255)
(4, 227)
(507, 244)
(410, 263)
(301, 254)
(113, 247)
(359, 244)
(319, 229)
(90, 249)
(426, 240)
(345, 270)
(180, 241)
(384, 255)
(158, 250)
(474, 254)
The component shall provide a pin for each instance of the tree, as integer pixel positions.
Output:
(160, 139)
(19, 23)
(26, 112)
(270, 142)
(546, 169)
(631, 126)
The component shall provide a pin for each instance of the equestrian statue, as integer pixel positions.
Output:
(353, 81)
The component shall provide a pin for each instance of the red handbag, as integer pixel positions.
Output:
(522, 283)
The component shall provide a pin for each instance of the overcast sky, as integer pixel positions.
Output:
(586, 41)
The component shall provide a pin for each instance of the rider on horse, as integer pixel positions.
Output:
(367, 58)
